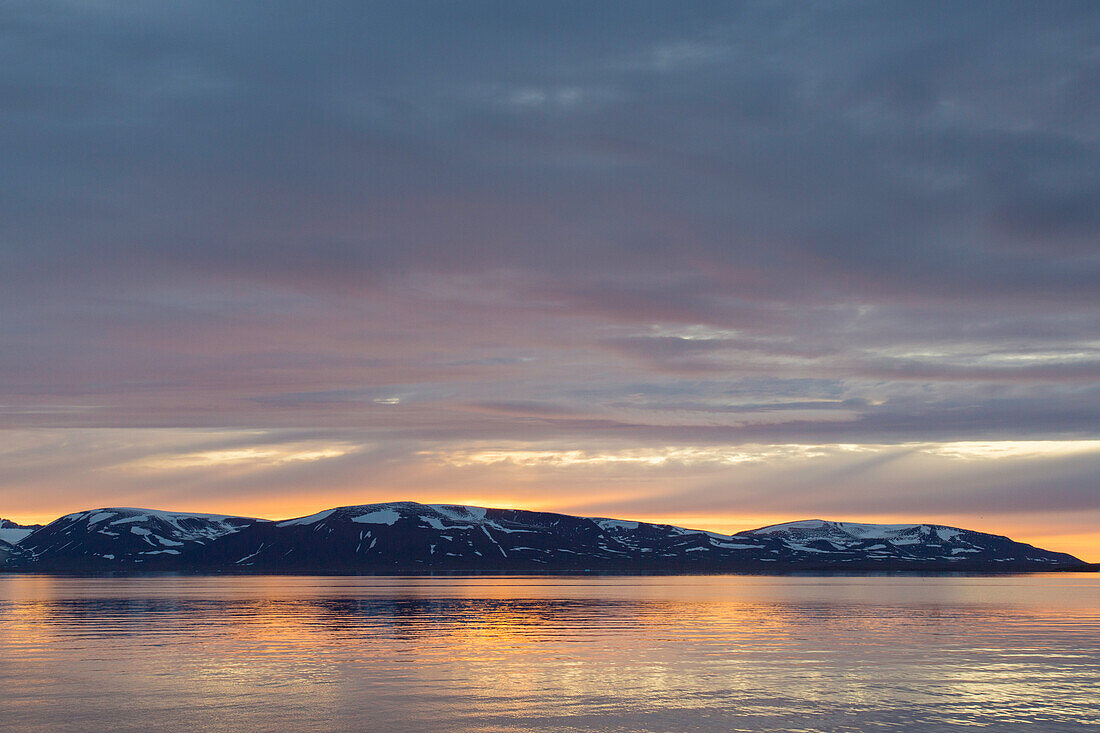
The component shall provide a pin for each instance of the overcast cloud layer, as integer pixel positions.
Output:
(388, 237)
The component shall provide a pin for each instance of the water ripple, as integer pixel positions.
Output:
(550, 654)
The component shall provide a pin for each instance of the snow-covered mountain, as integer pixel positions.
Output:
(411, 537)
(406, 536)
(117, 537)
(901, 543)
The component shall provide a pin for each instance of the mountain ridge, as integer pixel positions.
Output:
(408, 537)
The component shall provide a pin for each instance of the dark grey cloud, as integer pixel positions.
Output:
(620, 221)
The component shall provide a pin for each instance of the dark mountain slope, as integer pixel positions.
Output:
(115, 538)
(408, 537)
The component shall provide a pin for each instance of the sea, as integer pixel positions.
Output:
(521, 654)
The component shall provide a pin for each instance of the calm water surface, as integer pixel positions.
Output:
(718, 653)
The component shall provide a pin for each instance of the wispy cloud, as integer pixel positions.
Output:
(611, 237)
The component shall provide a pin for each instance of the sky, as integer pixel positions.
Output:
(714, 264)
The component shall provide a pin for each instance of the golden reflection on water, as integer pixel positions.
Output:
(550, 653)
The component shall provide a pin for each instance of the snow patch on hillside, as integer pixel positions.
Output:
(14, 536)
(311, 519)
(382, 516)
